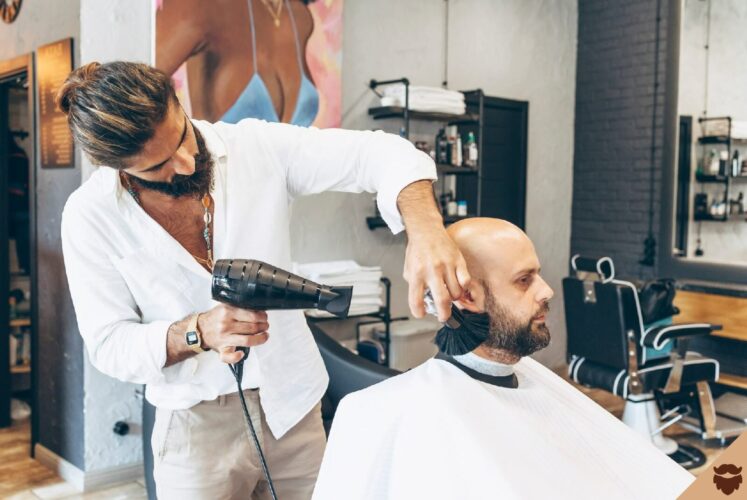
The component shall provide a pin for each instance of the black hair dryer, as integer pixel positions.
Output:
(252, 284)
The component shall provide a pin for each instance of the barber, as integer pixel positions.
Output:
(140, 237)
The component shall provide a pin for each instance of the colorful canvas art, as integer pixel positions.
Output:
(277, 60)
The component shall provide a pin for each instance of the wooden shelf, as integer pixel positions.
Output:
(19, 369)
(20, 322)
(728, 311)
(732, 380)
(382, 112)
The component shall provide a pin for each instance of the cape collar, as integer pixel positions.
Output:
(508, 381)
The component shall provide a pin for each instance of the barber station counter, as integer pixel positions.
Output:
(722, 304)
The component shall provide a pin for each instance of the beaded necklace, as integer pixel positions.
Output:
(207, 218)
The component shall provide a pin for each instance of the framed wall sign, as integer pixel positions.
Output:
(53, 63)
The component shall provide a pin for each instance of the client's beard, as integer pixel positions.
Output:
(196, 184)
(512, 335)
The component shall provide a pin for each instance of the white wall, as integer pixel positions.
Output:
(513, 49)
(112, 30)
(727, 81)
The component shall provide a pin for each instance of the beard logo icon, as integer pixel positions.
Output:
(727, 478)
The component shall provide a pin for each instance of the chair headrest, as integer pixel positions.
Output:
(603, 266)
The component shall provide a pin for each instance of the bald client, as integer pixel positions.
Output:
(493, 423)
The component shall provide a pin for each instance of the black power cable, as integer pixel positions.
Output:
(238, 372)
(649, 244)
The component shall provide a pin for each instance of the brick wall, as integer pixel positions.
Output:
(613, 129)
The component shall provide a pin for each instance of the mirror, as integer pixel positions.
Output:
(710, 160)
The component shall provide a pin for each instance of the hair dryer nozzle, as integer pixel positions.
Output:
(336, 300)
(252, 284)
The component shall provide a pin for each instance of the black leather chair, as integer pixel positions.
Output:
(149, 418)
(610, 348)
(348, 372)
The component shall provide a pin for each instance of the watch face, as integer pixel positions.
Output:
(192, 338)
(9, 10)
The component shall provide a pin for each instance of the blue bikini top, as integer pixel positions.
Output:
(255, 100)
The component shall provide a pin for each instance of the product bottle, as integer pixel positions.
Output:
(442, 146)
(459, 156)
(723, 162)
(451, 206)
(462, 208)
(471, 151)
(735, 164)
(710, 166)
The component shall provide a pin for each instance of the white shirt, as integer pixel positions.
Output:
(130, 280)
(436, 433)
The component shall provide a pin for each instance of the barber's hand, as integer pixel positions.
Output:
(224, 328)
(433, 261)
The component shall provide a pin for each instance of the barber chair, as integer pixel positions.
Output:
(611, 347)
(348, 372)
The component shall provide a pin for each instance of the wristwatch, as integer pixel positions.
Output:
(193, 337)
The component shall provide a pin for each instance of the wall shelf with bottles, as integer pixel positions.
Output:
(722, 166)
(462, 161)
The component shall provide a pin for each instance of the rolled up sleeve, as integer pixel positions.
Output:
(318, 160)
(118, 343)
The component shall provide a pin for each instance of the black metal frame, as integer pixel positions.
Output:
(383, 316)
(683, 184)
(669, 264)
(10, 69)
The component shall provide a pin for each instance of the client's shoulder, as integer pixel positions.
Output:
(398, 391)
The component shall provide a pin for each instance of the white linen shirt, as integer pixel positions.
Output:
(130, 280)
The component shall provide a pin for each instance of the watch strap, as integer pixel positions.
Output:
(193, 328)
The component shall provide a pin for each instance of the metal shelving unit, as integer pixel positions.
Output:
(384, 315)
(726, 180)
(406, 114)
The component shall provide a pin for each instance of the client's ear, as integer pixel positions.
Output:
(469, 302)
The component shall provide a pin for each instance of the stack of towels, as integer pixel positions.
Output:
(364, 279)
(430, 99)
(721, 127)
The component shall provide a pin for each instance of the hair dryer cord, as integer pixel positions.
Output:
(238, 372)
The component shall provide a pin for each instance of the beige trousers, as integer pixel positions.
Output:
(207, 452)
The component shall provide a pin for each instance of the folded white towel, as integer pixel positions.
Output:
(420, 91)
(364, 279)
(429, 99)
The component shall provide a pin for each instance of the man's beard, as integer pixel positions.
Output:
(197, 184)
(514, 336)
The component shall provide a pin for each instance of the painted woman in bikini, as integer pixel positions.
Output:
(245, 58)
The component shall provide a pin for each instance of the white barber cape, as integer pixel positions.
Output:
(435, 433)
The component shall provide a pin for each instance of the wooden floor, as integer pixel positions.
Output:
(18, 471)
(22, 478)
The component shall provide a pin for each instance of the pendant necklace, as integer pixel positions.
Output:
(207, 218)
